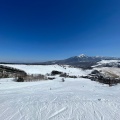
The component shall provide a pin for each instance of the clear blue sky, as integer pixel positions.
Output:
(41, 30)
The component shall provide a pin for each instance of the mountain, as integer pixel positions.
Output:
(82, 61)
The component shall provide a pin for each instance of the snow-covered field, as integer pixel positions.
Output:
(74, 99)
(44, 69)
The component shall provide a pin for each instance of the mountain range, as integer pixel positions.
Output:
(82, 61)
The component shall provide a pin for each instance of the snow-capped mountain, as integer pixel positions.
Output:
(82, 55)
(81, 60)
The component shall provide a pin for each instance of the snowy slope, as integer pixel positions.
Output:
(112, 63)
(74, 99)
(43, 69)
(111, 70)
(108, 61)
(114, 70)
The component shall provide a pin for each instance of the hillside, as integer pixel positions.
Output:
(74, 99)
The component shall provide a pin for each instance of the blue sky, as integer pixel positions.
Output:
(42, 30)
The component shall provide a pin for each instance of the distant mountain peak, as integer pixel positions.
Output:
(82, 55)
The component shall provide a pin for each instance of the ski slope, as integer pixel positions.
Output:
(74, 99)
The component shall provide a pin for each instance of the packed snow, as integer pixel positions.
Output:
(74, 99)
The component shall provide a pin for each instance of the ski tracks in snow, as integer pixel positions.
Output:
(57, 112)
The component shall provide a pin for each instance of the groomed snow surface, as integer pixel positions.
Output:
(74, 99)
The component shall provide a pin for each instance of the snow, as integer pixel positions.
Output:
(111, 70)
(44, 69)
(74, 99)
(108, 61)
(82, 55)
(7, 80)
